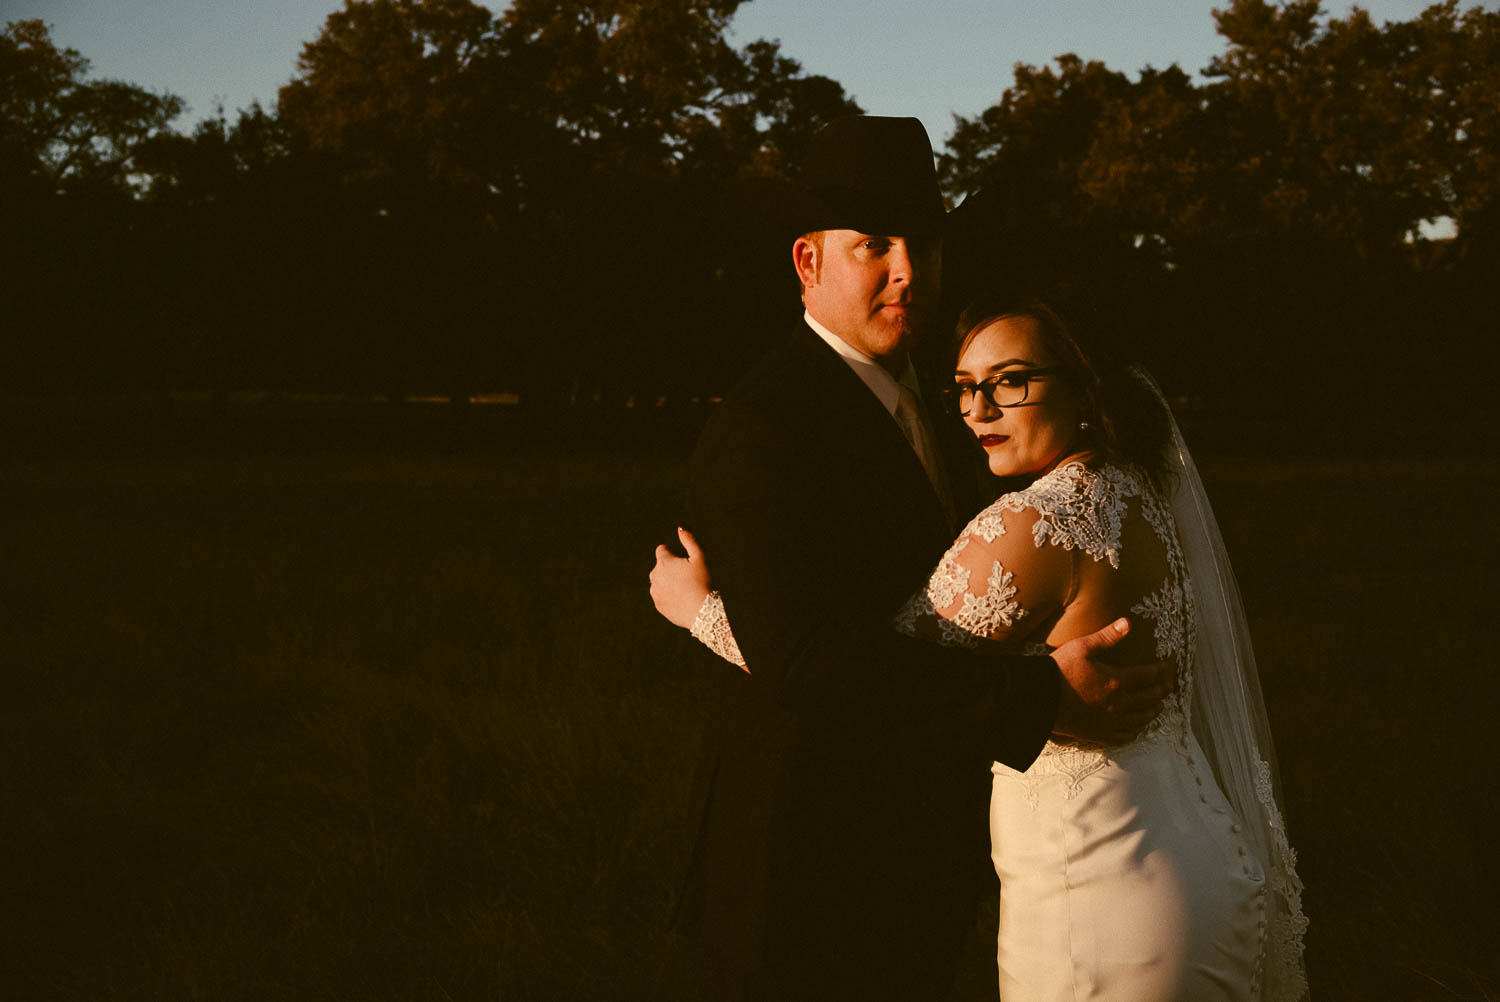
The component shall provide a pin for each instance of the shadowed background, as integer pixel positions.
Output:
(383, 711)
(337, 436)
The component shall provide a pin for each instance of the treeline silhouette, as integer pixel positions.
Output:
(573, 202)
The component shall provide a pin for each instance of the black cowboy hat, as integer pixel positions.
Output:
(874, 175)
(861, 172)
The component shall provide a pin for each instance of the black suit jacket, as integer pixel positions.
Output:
(844, 782)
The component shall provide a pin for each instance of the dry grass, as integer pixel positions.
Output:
(398, 723)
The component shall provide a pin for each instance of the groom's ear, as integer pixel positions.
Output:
(807, 253)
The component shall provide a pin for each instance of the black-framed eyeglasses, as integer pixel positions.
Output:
(1003, 389)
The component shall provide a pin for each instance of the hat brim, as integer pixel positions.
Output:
(785, 209)
(849, 209)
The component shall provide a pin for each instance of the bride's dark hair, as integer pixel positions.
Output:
(1128, 421)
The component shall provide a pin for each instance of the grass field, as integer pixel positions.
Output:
(392, 718)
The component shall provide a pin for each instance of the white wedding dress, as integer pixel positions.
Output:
(1126, 873)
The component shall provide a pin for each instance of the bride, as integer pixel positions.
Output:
(1154, 870)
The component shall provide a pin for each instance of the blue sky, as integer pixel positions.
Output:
(896, 57)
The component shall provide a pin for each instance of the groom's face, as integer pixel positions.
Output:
(874, 292)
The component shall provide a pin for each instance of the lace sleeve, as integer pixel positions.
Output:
(996, 583)
(712, 628)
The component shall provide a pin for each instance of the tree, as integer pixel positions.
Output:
(1353, 132)
(1278, 202)
(626, 80)
(492, 155)
(58, 129)
(1442, 118)
(1039, 136)
(225, 223)
(1033, 158)
(518, 110)
(764, 114)
(387, 93)
(67, 150)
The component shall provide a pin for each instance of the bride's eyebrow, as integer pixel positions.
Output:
(997, 366)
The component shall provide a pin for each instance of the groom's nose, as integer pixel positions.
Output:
(899, 265)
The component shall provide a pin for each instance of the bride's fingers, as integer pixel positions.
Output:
(665, 556)
(690, 545)
(662, 572)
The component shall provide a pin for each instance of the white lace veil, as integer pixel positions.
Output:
(1229, 719)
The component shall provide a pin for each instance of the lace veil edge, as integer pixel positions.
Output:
(1229, 717)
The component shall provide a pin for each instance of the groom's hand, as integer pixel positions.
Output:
(1105, 703)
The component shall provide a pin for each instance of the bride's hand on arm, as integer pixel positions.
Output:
(681, 591)
(680, 584)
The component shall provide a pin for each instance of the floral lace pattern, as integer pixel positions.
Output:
(980, 615)
(1085, 509)
(1080, 508)
(1289, 924)
(1077, 508)
(712, 628)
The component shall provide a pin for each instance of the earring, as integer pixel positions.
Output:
(1083, 426)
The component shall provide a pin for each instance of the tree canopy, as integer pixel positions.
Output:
(449, 199)
(1275, 208)
(1347, 130)
(58, 129)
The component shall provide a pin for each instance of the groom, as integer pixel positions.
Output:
(843, 786)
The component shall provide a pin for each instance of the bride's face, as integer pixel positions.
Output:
(999, 366)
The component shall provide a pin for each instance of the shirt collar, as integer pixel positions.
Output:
(886, 387)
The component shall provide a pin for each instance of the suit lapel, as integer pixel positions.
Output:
(858, 427)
